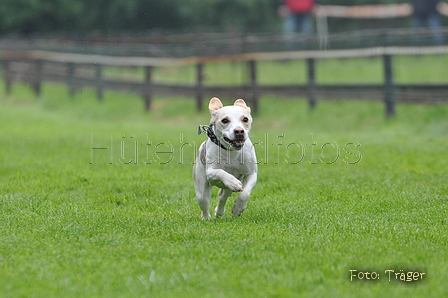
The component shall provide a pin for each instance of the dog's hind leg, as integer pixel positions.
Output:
(223, 195)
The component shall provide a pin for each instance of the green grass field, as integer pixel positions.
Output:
(371, 195)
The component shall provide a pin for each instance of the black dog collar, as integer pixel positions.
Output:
(208, 129)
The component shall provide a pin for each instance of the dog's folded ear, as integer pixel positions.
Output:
(214, 105)
(241, 103)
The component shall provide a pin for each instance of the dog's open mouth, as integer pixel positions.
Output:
(237, 143)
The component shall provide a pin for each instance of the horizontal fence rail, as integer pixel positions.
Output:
(79, 71)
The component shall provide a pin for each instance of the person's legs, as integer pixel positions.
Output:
(290, 27)
(418, 21)
(306, 24)
(434, 24)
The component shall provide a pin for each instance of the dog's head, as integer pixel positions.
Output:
(232, 123)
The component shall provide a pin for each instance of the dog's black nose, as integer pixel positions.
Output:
(238, 131)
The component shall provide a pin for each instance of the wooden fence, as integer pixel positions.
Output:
(78, 71)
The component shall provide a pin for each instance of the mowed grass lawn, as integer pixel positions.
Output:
(340, 188)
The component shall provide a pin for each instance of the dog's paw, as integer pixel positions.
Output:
(206, 216)
(237, 211)
(234, 185)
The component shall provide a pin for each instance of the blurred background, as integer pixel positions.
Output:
(177, 22)
(295, 31)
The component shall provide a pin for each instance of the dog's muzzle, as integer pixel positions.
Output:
(238, 142)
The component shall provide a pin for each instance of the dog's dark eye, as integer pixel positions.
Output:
(225, 121)
(245, 119)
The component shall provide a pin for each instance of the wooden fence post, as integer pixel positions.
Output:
(389, 93)
(71, 78)
(147, 96)
(37, 80)
(7, 75)
(199, 85)
(253, 84)
(99, 81)
(311, 69)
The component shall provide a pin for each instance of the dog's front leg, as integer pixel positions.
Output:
(203, 190)
(203, 193)
(241, 201)
(222, 179)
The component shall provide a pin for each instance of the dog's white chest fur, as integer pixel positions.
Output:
(227, 159)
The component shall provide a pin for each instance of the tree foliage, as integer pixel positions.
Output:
(29, 16)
